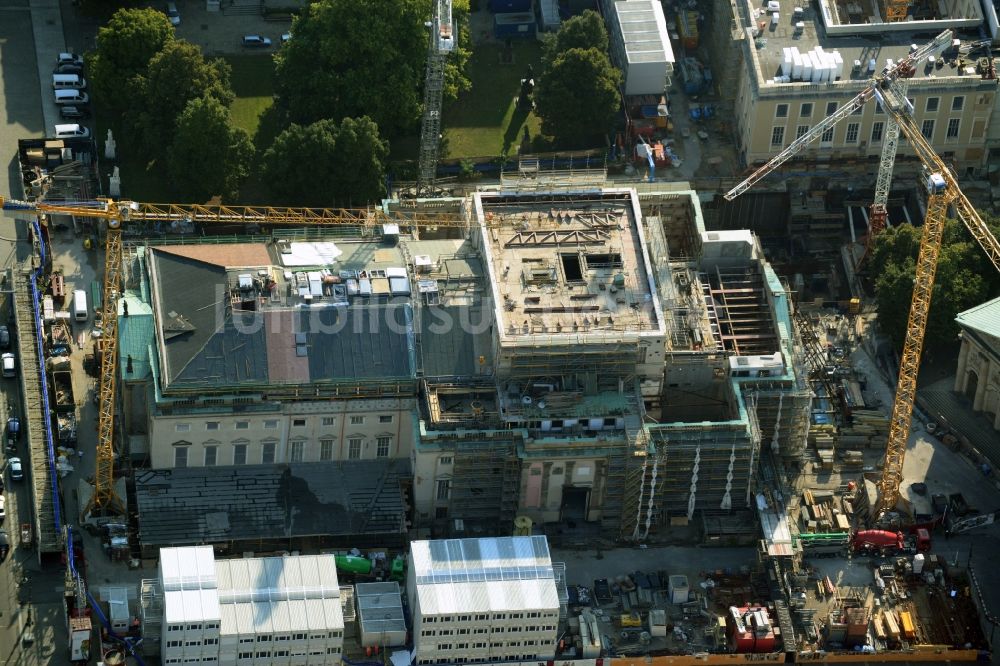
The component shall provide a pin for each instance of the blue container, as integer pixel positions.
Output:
(507, 6)
(506, 26)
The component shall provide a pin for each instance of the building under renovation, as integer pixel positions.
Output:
(638, 357)
(575, 354)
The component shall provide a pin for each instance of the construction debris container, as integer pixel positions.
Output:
(678, 589)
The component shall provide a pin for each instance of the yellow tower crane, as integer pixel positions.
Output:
(943, 192)
(118, 214)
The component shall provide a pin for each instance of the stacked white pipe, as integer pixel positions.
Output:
(815, 66)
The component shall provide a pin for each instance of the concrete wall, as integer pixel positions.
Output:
(322, 430)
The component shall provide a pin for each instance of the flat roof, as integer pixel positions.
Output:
(848, 29)
(574, 265)
(644, 31)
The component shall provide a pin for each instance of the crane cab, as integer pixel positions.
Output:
(936, 184)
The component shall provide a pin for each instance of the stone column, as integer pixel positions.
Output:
(963, 360)
(984, 379)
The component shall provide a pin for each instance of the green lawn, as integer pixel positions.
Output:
(253, 83)
(485, 120)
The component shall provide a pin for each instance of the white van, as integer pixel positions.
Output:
(71, 96)
(68, 81)
(72, 131)
(80, 305)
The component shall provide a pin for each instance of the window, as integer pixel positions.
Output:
(211, 455)
(953, 126)
(263, 638)
(295, 451)
(385, 418)
(180, 456)
(446, 460)
(298, 423)
(211, 425)
(246, 655)
(831, 108)
(267, 453)
(357, 420)
(927, 129)
(329, 421)
(827, 135)
(383, 444)
(852, 133)
(801, 130)
(877, 128)
(271, 424)
(175, 643)
(957, 103)
(211, 641)
(806, 110)
(242, 425)
(781, 111)
(239, 454)
(326, 449)
(182, 427)
(444, 491)
(354, 448)
(932, 104)
(777, 136)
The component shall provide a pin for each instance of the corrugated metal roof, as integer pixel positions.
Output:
(644, 31)
(188, 568)
(237, 503)
(984, 318)
(491, 574)
(190, 606)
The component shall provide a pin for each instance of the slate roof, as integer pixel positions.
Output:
(247, 502)
(203, 344)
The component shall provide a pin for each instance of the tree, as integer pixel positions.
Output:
(964, 278)
(208, 155)
(326, 164)
(124, 48)
(355, 57)
(583, 31)
(456, 80)
(175, 76)
(577, 96)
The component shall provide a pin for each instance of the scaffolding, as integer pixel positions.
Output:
(486, 482)
(782, 411)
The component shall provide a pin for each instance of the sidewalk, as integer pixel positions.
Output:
(47, 27)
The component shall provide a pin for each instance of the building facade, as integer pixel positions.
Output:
(779, 97)
(483, 600)
(978, 374)
(277, 611)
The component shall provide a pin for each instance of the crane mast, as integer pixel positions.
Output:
(105, 500)
(943, 192)
(442, 42)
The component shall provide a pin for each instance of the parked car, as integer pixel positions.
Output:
(256, 41)
(4, 337)
(73, 112)
(71, 97)
(72, 131)
(8, 365)
(16, 471)
(286, 37)
(13, 432)
(68, 68)
(173, 14)
(3, 509)
(69, 59)
(4, 545)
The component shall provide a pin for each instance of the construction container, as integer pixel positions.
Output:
(657, 622)
(918, 563)
(909, 629)
(640, 45)
(507, 26)
(678, 589)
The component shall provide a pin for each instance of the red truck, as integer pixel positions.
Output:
(888, 541)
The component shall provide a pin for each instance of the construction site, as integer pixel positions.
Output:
(496, 409)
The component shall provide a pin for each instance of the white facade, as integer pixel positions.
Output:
(640, 45)
(483, 600)
(294, 432)
(271, 611)
(978, 373)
